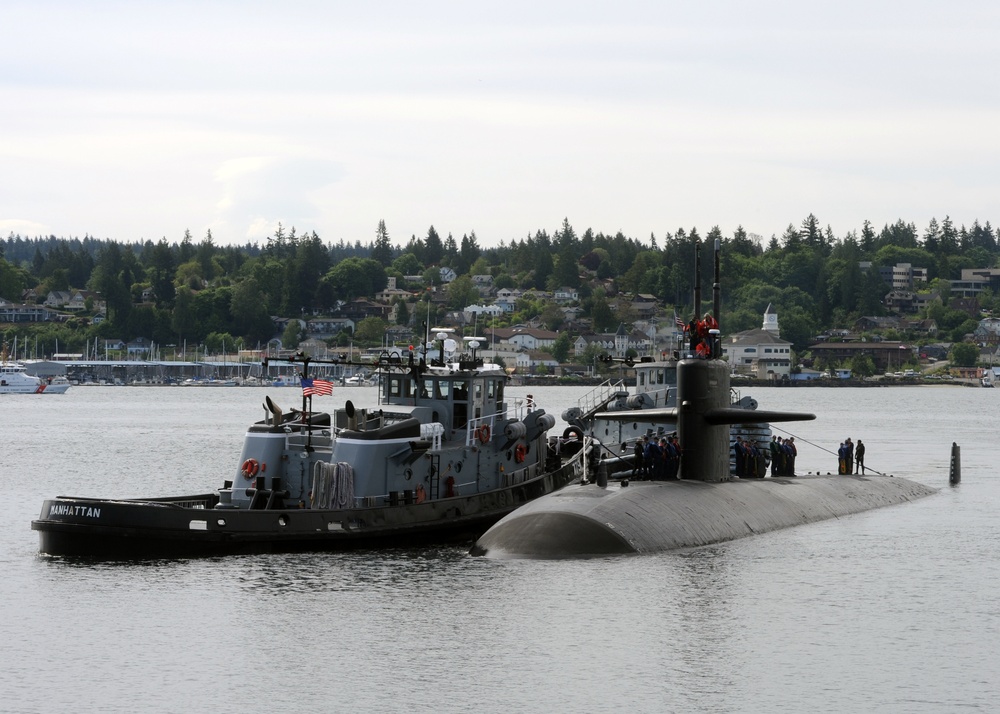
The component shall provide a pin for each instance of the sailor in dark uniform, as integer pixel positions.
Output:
(637, 467)
(650, 456)
(859, 457)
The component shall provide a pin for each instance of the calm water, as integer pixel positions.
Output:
(895, 610)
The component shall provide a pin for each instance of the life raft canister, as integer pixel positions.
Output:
(250, 468)
(520, 452)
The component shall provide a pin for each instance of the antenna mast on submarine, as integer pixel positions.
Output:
(697, 281)
(717, 285)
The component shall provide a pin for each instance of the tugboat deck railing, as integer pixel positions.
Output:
(516, 411)
(601, 395)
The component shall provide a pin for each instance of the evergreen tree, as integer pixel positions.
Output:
(469, 252)
(566, 272)
(382, 251)
(433, 248)
(161, 273)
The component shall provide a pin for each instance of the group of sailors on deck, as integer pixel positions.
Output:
(851, 459)
(701, 338)
(749, 458)
(752, 459)
(656, 459)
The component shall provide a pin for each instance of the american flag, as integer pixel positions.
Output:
(679, 322)
(316, 386)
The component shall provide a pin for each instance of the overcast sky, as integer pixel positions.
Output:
(138, 120)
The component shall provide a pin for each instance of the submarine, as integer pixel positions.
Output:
(706, 504)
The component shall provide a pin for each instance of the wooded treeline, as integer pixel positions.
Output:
(198, 289)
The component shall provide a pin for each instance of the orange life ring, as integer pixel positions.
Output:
(250, 468)
(483, 433)
(421, 494)
(520, 451)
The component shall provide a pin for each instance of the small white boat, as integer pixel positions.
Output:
(355, 381)
(56, 385)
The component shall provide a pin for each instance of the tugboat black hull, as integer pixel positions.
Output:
(194, 526)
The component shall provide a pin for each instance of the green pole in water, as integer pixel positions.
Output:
(955, 472)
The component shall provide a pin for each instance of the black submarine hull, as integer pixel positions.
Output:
(590, 521)
(706, 506)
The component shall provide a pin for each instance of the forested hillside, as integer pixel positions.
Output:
(197, 291)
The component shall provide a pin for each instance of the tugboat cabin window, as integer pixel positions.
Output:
(395, 389)
(443, 389)
(642, 379)
(659, 376)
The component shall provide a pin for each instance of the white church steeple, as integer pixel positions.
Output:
(770, 320)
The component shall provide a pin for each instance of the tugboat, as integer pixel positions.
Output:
(442, 458)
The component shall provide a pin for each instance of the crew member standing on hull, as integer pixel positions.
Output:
(651, 457)
(637, 459)
(859, 457)
(849, 456)
(739, 456)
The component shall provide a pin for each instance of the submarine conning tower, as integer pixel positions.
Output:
(702, 389)
(704, 416)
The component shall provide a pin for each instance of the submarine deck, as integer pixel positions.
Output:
(648, 517)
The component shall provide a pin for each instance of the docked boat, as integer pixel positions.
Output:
(14, 379)
(442, 458)
(208, 382)
(56, 385)
(358, 380)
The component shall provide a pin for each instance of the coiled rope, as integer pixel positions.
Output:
(332, 485)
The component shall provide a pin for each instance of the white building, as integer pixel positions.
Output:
(760, 353)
